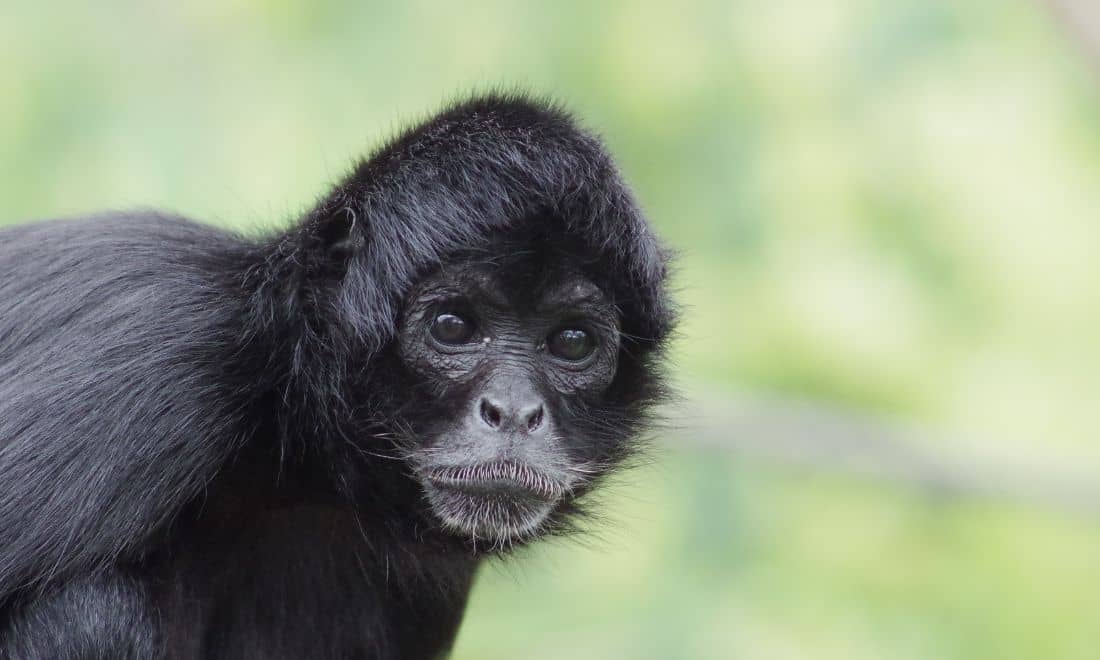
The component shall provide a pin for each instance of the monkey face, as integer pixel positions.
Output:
(513, 363)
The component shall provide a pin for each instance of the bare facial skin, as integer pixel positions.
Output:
(511, 364)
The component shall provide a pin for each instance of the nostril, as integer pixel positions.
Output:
(490, 413)
(534, 420)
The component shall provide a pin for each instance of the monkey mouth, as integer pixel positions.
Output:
(499, 501)
(499, 478)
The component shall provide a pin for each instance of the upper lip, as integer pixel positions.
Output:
(497, 477)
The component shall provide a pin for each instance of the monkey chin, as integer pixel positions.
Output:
(495, 518)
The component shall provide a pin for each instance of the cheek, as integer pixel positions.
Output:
(589, 382)
(443, 370)
(437, 369)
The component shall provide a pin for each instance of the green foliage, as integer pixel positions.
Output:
(887, 205)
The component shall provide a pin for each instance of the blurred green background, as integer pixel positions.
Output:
(886, 211)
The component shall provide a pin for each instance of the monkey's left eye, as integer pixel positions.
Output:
(573, 344)
(451, 328)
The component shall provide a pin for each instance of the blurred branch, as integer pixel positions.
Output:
(1082, 17)
(820, 438)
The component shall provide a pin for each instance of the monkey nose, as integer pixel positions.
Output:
(508, 413)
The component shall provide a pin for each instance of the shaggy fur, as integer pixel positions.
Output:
(200, 433)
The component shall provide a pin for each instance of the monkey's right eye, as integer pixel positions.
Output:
(450, 328)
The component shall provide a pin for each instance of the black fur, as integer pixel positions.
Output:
(197, 449)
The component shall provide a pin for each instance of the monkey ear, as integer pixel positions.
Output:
(334, 239)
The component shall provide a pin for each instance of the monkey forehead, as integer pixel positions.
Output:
(513, 286)
(571, 289)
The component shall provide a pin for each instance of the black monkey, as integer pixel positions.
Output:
(302, 445)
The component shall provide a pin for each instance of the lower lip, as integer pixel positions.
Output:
(488, 509)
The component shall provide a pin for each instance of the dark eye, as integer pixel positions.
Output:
(452, 329)
(571, 344)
